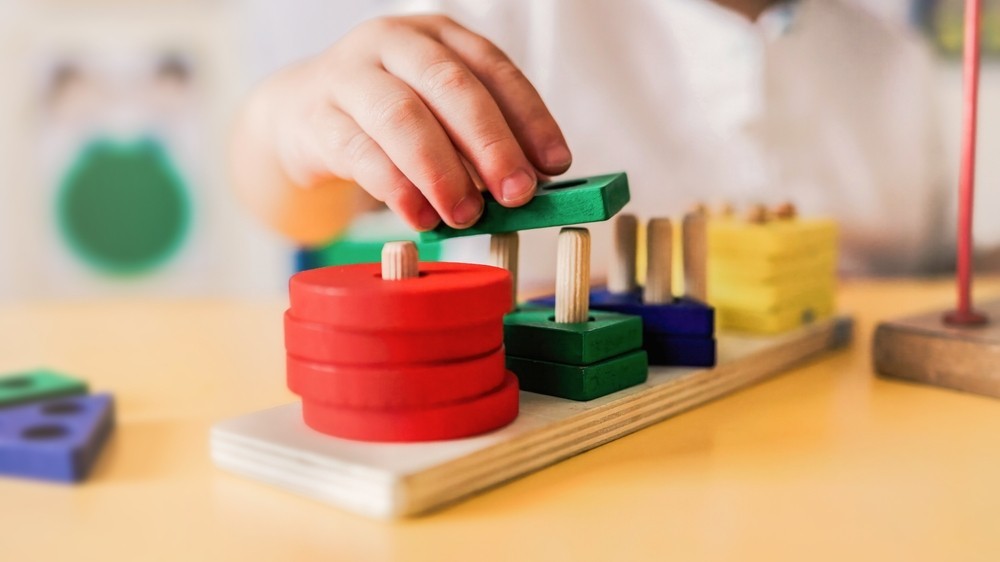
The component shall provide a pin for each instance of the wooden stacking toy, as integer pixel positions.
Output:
(570, 351)
(771, 271)
(407, 352)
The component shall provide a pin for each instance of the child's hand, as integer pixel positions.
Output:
(412, 109)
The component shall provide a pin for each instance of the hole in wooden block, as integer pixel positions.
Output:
(62, 408)
(534, 334)
(44, 432)
(419, 274)
(589, 319)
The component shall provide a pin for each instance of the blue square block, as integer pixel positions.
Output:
(679, 351)
(57, 439)
(683, 318)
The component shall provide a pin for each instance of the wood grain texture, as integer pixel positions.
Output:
(389, 480)
(400, 261)
(573, 276)
(695, 255)
(504, 253)
(621, 269)
(659, 262)
(924, 349)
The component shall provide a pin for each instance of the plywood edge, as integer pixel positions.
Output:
(449, 482)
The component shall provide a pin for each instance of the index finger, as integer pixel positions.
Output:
(530, 120)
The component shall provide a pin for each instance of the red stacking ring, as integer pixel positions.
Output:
(326, 344)
(446, 421)
(445, 295)
(398, 386)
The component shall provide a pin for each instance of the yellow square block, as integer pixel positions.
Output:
(775, 239)
(751, 269)
(770, 296)
(774, 321)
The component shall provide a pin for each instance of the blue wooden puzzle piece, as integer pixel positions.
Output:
(57, 439)
(682, 318)
(679, 351)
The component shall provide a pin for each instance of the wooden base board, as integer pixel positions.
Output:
(396, 480)
(924, 349)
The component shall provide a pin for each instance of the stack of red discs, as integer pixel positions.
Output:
(415, 359)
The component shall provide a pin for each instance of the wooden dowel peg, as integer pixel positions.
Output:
(785, 211)
(400, 261)
(621, 273)
(726, 209)
(573, 276)
(504, 253)
(695, 255)
(757, 214)
(659, 262)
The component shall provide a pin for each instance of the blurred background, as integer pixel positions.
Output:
(115, 115)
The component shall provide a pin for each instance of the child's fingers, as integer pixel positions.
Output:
(350, 153)
(466, 111)
(404, 128)
(522, 106)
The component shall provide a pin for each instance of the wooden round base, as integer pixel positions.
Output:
(444, 295)
(326, 344)
(450, 421)
(969, 318)
(395, 387)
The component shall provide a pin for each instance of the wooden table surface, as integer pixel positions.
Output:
(826, 462)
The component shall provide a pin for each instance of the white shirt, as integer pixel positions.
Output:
(817, 102)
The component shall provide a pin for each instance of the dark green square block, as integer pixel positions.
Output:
(40, 384)
(559, 203)
(576, 382)
(533, 334)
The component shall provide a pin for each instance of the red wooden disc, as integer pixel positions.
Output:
(396, 387)
(445, 295)
(326, 344)
(448, 421)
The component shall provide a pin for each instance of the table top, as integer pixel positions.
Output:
(824, 462)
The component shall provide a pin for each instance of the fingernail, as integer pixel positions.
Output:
(558, 156)
(517, 186)
(428, 217)
(467, 210)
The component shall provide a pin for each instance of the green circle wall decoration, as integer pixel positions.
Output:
(123, 208)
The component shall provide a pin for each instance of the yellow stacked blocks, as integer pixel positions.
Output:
(773, 275)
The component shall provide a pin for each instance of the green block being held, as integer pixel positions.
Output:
(39, 384)
(559, 203)
(534, 334)
(580, 382)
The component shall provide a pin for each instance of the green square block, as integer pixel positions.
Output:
(533, 334)
(580, 382)
(40, 384)
(559, 203)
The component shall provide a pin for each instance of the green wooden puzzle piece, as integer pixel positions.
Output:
(534, 334)
(559, 203)
(40, 384)
(580, 382)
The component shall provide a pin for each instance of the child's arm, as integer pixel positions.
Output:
(412, 109)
